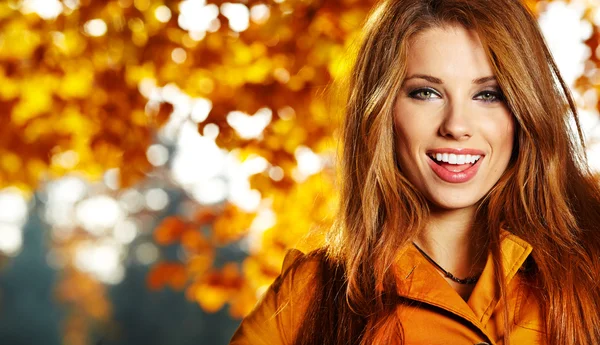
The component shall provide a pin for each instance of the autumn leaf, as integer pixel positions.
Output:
(169, 230)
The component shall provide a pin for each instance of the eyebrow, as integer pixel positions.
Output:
(435, 80)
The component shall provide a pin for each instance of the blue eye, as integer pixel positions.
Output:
(423, 94)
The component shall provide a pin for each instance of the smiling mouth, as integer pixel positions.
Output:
(454, 162)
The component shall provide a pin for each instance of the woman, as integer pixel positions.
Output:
(458, 164)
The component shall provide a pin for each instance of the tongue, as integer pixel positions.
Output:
(455, 167)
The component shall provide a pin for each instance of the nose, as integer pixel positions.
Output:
(456, 124)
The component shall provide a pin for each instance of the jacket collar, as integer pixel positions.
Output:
(419, 280)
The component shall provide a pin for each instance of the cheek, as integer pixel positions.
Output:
(412, 132)
(500, 133)
(407, 139)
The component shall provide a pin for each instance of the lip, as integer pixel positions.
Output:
(458, 151)
(455, 177)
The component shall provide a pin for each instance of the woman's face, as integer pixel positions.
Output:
(454, 131)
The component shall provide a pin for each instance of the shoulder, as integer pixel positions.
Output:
(299, 270)
(280, 312)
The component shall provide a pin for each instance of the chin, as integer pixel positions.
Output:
(455, 202)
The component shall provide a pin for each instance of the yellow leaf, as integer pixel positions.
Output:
(10, 162)
(78, 81)
(18, 42)
(211, 298)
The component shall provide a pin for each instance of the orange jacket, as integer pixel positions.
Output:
(442, 318)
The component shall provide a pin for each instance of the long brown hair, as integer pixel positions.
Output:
(547, 196)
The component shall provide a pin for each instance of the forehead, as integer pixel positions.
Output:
(448, 51)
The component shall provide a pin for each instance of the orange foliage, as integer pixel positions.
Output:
(231, 225)
(216, 287)
(172, 274)
(169, 231)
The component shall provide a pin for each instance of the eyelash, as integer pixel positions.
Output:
(497, 96)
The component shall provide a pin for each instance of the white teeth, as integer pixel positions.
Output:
(452, 158)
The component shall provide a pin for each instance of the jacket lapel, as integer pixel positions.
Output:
(485, 295)
(417, 279)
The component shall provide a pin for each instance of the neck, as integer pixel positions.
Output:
(453, 239)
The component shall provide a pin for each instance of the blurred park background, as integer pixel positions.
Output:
(158, 157)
